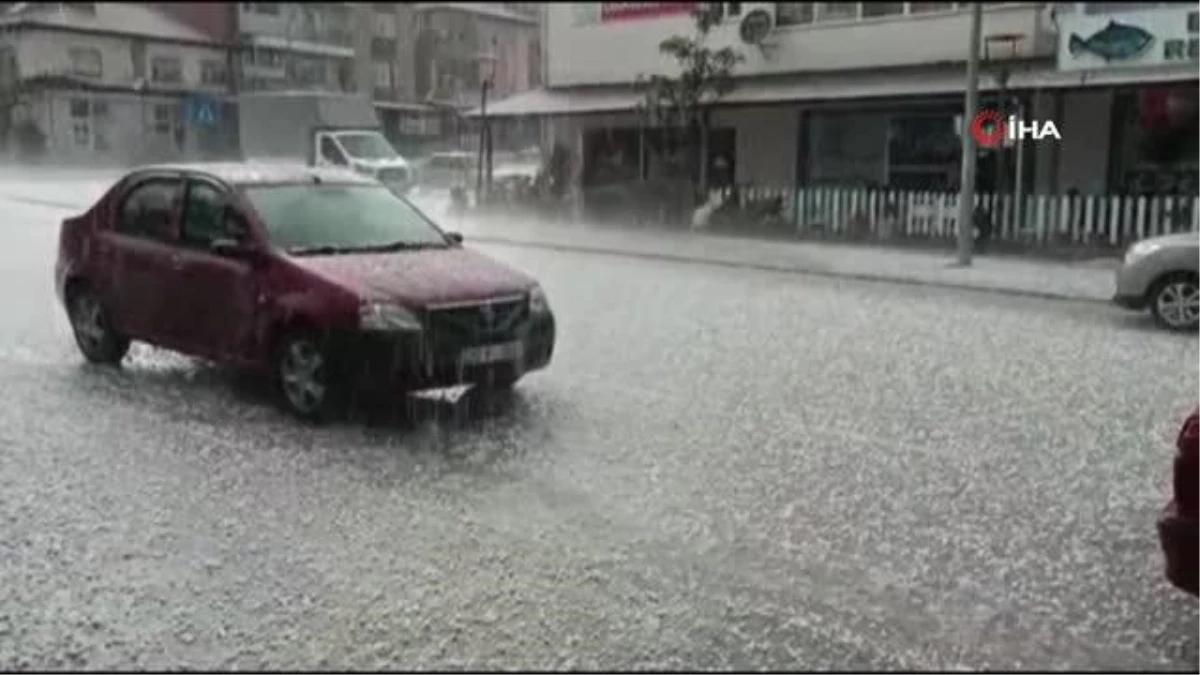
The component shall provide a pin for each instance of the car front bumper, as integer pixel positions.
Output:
(410, 361)
(1136, 302)
(1131, 283)
(1180, 537)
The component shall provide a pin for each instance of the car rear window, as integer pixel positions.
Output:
(339, 216)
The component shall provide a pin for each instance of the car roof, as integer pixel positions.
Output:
(245, 174)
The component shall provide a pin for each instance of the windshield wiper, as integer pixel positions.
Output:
(324, 249)
(403, 246)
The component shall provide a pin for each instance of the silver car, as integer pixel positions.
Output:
(1160, 274)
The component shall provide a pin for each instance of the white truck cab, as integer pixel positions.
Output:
(365, 151)
(322, 129)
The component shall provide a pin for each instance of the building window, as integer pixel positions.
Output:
(266, 58)
(927, 7)
(793, 13)
(308, 72)
(164, 119)
(383, 76)
(166, 70)
(385, 26)
(86, 62)
(81, 122)
(345, 77)
(212, 72)
(873, 9)
(836, 11)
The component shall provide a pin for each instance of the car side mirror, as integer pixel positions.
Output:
(455, 237)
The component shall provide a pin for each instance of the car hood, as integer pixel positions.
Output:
(417, 278)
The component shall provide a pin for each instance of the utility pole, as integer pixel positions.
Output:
(966, 195)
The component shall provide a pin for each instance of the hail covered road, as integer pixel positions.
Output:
(723, 468)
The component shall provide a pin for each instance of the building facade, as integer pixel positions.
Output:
(110, 82)
(1138, 133)
(864, 94)
(289, 45)
(428, 61)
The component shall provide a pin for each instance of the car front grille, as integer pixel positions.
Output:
(455, 326)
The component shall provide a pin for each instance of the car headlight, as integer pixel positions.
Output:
(384, 316)
(537, 301)
(1140, 250)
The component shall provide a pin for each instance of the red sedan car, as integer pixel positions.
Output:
(1179, 526)
(325, 278)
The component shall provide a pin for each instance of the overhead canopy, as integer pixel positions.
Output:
(562, 102)
(832, 86)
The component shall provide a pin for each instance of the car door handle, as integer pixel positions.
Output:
(176, 262)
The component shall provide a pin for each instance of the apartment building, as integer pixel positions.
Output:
(427, 62)
(863, 94)
(289, 45)
(111, 82)
(460, 44)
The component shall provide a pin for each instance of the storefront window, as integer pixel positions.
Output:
(836, 11)
(871, 9)
(848, 149)
(923, 152)
(1155, 141)
(793, 13)
(926, 7)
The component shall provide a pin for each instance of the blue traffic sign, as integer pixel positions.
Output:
(203, 110)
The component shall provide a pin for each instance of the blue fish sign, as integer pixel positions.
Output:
(1116, 41)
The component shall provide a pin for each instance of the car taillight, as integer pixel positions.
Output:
(1187, 468)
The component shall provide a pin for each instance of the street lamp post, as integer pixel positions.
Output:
(1003, 73)
(966, 196)
(487, 71)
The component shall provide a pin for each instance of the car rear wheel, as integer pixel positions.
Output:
(1175, 302)
(305, 377)
(94, 333)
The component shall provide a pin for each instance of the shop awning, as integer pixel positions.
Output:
(835, 86)
(577, 101)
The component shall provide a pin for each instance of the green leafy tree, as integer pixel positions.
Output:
(682, 104)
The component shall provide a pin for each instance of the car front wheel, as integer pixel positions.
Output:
(304, 374)
(1175, 302)
(94, 333)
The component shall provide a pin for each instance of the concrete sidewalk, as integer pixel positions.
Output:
(1091, 281)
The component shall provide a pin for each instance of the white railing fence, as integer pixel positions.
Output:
(1039, 219)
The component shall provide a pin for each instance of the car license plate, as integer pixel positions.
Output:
(475, 356)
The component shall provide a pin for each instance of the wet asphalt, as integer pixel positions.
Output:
(721, 469)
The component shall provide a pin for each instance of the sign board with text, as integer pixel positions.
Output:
(589, 13)
(1150, 37)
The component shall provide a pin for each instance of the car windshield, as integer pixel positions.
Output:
(367, 146)
(340, 218)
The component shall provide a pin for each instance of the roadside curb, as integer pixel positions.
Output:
(767, 267)
(42, 202)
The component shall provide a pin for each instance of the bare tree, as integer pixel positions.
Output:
(683, 104)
